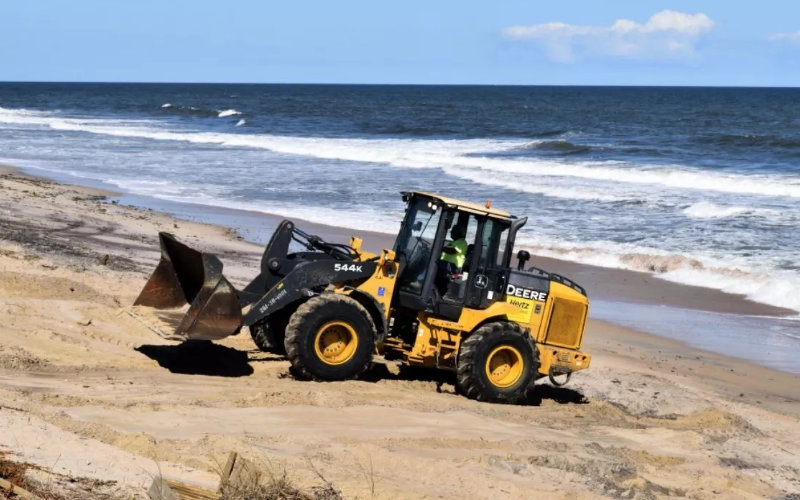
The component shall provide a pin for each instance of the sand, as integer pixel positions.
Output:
(88, 390)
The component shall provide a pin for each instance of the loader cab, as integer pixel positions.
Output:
(430, 281)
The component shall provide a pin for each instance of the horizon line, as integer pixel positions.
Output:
(609, 85)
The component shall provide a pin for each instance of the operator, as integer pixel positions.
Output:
(454, 254)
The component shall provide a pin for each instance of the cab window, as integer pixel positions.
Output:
(415, 242)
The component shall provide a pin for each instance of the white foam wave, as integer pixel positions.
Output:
(541, 188)
(780, 288)
(228, 112)
(357, 219)
(360, 219)
(241, 122)
(166, 105)
(163, 189)
(708, 210)
(760, 281)
(671, 177)
(22, 113)
(443, 154)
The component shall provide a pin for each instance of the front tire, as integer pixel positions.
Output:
(497, 363)
(269, 335)
(330, 337)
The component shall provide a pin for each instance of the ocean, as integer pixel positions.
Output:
(698, 185)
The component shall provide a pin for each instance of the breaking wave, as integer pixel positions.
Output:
(767, 281)
(542, 188)
(228, 112)
(189, 111)
(197, 111)
(472, 156)
(780, 288)
(555, 148)
(708, 210)
(561, 147)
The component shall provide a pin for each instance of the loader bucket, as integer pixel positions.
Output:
(185, 276)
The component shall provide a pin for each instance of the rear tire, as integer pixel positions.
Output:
(269, 336)
(330, 337)
(497, 363)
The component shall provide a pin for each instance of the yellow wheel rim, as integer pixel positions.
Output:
(504, 366)
(336, 342)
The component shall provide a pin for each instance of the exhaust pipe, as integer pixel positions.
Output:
(185, 276)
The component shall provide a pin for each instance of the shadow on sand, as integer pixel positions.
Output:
(199, 357)
(535, 396)
(560, 395)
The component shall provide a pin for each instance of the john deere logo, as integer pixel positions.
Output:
(525, 293)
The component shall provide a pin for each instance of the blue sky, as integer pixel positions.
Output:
(631, 42)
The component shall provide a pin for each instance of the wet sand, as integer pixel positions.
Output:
(87, 390)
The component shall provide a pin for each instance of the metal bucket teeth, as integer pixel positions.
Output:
(185, 276)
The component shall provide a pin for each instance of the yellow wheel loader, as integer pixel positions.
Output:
(445, 297)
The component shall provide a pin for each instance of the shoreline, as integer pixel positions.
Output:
(605, 283)
(624, 298)
(91, 392)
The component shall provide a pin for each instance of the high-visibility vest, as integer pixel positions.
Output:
(459, 256)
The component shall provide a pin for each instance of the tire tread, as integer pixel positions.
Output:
(468, 383)
(267, 338)
(295, 329)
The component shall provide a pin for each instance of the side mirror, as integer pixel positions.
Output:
(523, 256)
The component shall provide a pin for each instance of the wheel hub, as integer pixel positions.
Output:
(335, 343)
(504, 366)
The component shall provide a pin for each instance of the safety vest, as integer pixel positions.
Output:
(460, 255)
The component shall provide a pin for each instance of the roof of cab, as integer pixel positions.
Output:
(467, 206)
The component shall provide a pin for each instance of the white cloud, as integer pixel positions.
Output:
(786, 37)
(666, 35)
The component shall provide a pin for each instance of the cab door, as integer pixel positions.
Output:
(487, 278)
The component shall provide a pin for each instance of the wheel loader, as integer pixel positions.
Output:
(444, 297)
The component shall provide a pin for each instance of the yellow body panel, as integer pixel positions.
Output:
(471, 318)
(438, 340)
(435, 346)
(380, 286)
(556, 324)
(559, 328)
(528, 312)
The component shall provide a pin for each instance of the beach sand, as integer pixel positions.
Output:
(89, 391)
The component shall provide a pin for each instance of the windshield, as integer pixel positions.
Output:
(416, 239)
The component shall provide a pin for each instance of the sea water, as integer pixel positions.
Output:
(698, 185)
